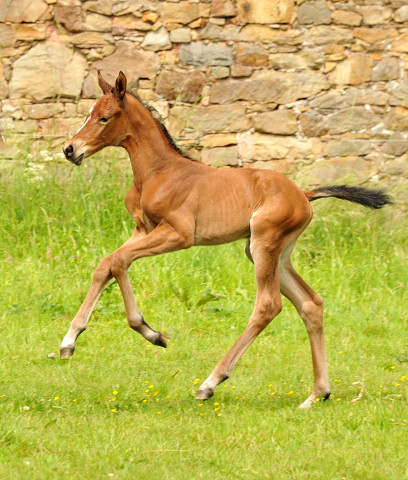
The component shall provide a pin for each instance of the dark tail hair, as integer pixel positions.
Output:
(364, 196)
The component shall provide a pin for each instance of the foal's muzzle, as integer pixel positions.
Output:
(69, 153)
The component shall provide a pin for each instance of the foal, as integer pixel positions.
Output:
(177, 203)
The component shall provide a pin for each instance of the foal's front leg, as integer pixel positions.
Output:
(101, 277)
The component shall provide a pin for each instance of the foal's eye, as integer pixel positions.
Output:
(104, 120)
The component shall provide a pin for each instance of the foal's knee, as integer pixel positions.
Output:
(103, 271)
(268, 309)
(119, 264)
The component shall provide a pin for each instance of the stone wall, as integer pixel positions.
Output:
(266, 83)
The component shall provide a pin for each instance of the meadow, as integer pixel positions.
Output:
(121, 408)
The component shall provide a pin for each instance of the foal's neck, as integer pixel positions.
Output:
(149, 150)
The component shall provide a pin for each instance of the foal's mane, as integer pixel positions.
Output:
(156, 116)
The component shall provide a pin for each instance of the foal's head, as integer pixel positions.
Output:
(106, 123)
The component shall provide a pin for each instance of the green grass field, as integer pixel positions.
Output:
(124, 409)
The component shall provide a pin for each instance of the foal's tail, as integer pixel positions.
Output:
(364, 196)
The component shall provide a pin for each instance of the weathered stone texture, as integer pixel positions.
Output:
(3, 83)
(184, 12)
(222, 8)
(22, 10)
(251, 55)
(156, 41)
(135, 62)
(264, 147)
(184, 86)
(375, 35)
(389, 68)
(220, 156)
(344, 17)
(356, 69)
(217, 118)
(7, 35)
(200, 54)
(270, 86)
(259, 83)
(69, 15)
(278, 122)
(265, 11)
(46, 72)
(314, 12)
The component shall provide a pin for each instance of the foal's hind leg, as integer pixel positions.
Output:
(310, 308)
(268, 304)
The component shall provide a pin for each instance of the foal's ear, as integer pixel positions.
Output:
(120, 86)
(104, 84)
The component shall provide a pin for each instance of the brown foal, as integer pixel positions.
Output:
(177, 203)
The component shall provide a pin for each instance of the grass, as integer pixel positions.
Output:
(121, 408)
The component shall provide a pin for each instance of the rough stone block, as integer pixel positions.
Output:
(313, 124)
(98, 23)
(218, 140)
(351, 119)
(134, 62)
(220, 156)
(397, 119)
(180, 35)
(217, 33)
(19, 11)
(200, 54)
(157, 40)
(56, 69)
(265, 11)
(184, 86)
(349, 168)
(103, 7)
(322, 35)
(184, 12)
(389, 68)
(43, 110)
(3, 83)
(7, 35)
(222, 8)
(375, 35)
(71, 16)
(375, 14)
(278, 122)
(251, 55)
(314, 12)
(400, 44)
(346, 147)
(265, 147)
(30, 32)
(401, 15)
(344, 17)
(270, 86)
(356, 69)
(217, 118)
(399, 95)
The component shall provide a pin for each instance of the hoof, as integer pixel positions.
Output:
(161, 340)
(204, 394)
(66, 352)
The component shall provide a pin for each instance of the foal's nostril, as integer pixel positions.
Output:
(69, 151)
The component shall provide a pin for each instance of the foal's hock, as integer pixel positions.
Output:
(177, 203)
